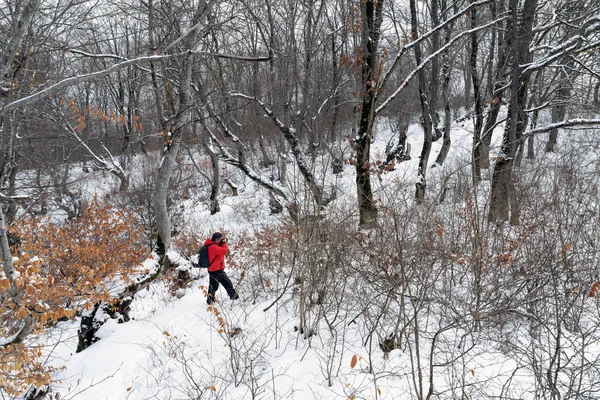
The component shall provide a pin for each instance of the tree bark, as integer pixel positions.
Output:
(435, 65)
(13, 46)
(334, 89)
(215, 181)
(530, 155)
(446, 72)
(371, 21)
(477, 150)
(216, 184)
(533, 104)
(505, 41)
(170, 151)
(14, 43)
(27, 325)
(558, 113)
(503, 192)
(425, 112)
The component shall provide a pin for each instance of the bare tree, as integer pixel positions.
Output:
(7, 71)
(426, 121)
(371, 18)
(503, 194)
(520, 54)
(176, 127)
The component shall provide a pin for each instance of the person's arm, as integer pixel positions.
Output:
(221, 249)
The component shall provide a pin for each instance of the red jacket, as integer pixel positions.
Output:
(216, 255)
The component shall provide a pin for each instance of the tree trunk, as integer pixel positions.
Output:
(11, 211)
(171, 149)
(215, 185)
(16, 39)
(530, 140)
(425, 112)
(256, 92)
(8, 53)
(282, 151)
(435, 66)
(467, 89)
(504, 40)
(7, 260)
(371, 18)
(558, 114)
(9, 167)
(503, 189)
(477, 149)
(28, 323)
(534, 104)
(446, 72)
(180, 120)
(334, 89)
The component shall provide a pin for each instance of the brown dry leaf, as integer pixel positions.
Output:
(4, 284)
(354, 361)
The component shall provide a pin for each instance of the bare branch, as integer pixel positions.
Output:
(124, 64)
(4, 198)
(563, 124)
(414, 72)
(564, 49)
(412, 44)
(110, 164)
(231, 160)
(290, 135)
(199, 17)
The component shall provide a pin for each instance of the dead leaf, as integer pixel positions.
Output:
(4, 284)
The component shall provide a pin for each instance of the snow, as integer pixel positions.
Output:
(176, 347)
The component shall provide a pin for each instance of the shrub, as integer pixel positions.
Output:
(61, 270)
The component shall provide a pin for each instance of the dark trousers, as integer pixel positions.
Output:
(213, 284)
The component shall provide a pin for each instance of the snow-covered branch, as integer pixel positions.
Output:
(426, 35)
(116, 67)
(563, 124)
(199, 19)
(238, 163)
(85, 78)
(414, 72)
(109, 163)
(571, 45)
(5, 198)
(227, 131)
(585, 67)
(94, 55)
(335, 92)
(290, 135)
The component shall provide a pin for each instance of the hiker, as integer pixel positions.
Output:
(217, 249)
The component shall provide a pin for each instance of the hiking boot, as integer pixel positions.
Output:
(210, 299)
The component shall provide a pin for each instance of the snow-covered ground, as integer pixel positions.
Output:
(180, 348)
